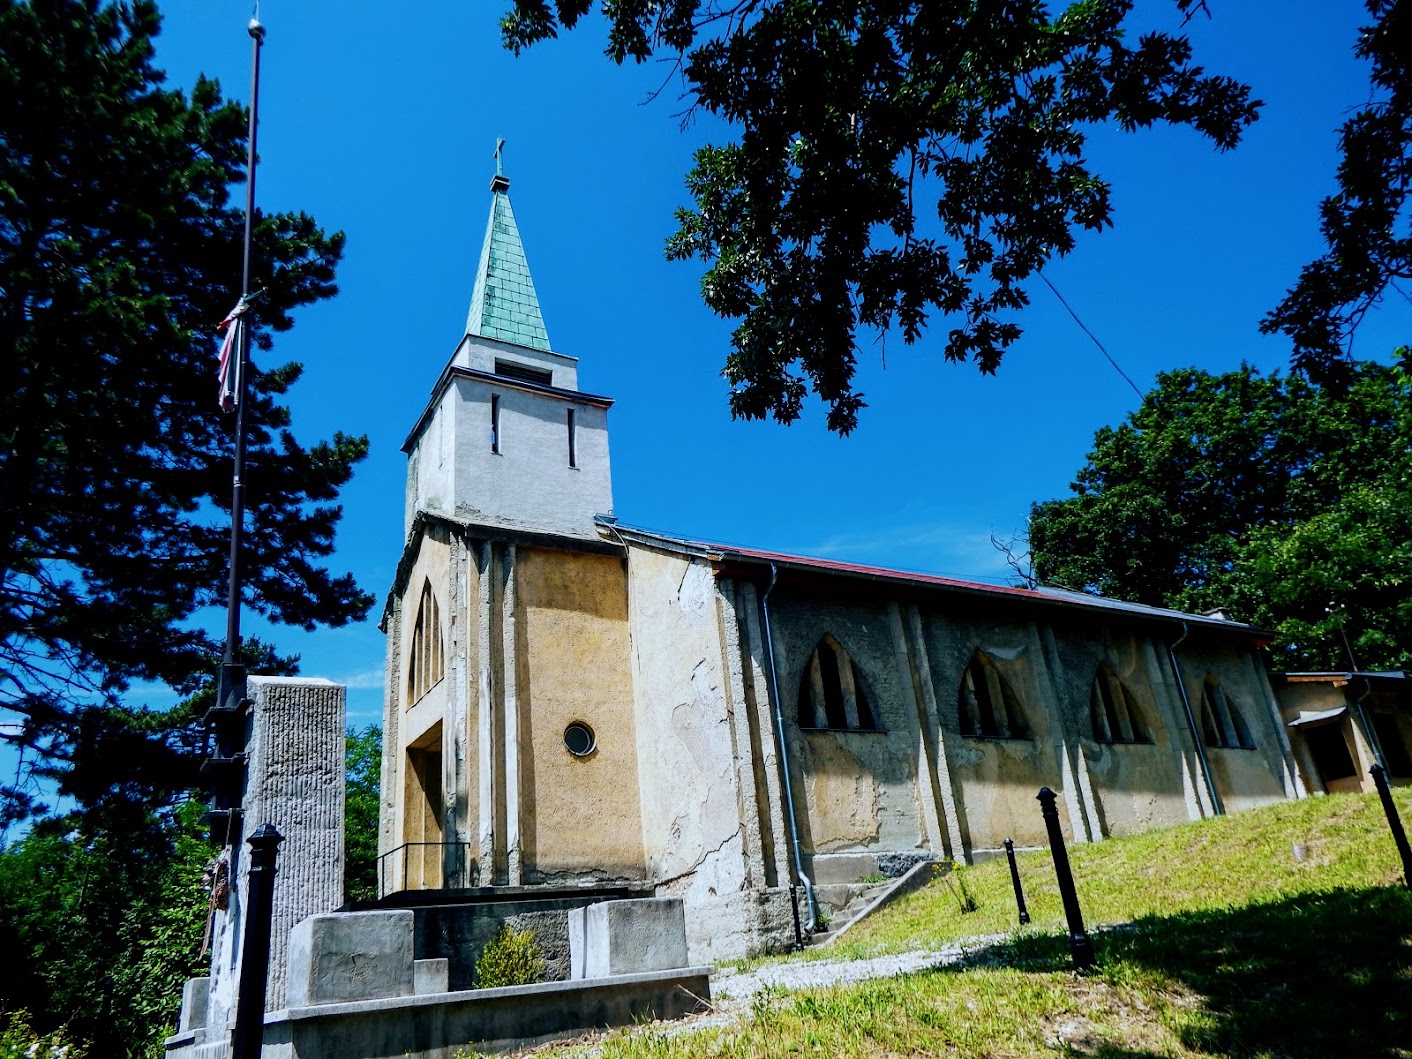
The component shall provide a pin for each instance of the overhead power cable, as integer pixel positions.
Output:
(1091, 335)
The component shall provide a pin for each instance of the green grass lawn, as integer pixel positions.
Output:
(1223, 943)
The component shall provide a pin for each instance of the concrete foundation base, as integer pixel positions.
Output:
(448, 1025)
(627, 937)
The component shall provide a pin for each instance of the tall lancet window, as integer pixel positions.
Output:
(1113, 711)
(832, 693)
(1221, 722)
(426, 664)
(986, 706)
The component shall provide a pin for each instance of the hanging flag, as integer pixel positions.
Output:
(230, 365)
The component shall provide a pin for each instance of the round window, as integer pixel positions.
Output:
(579, 739)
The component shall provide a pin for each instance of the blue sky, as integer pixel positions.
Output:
(381, 121)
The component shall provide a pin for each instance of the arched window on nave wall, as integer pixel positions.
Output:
(832, 693)
(1113, 710)
(1221, 722)
(986, 706)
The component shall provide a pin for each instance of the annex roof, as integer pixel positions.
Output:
(504, 305)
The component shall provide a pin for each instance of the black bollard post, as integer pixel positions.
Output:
(248, 1038)
(1015, 882)
(798, 930)
(1394, 821)
(1080, 946)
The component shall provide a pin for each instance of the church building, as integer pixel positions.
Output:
(572, 700)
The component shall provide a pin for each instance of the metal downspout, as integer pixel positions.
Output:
(1191, 723)
(799, 875)
(1374, 744)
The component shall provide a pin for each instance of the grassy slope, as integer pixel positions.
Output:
(1232, 947)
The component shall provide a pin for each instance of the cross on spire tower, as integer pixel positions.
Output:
(504, 305)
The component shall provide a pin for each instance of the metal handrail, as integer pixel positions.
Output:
(448, 869)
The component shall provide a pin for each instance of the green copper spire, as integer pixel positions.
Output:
(504, 306)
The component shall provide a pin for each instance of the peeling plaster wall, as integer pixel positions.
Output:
(582, 817)
(857, 790)
(1136, 786)
(997, 779)
(1244, 779)
(693, 838)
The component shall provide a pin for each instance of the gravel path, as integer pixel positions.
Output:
(732, 991)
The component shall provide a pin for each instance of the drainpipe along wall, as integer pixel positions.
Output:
(799, 876)
(1191, 722)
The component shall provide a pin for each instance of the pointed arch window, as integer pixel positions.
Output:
(1113, 711)
(1221, 722)
(987, 706)
(833, 694)
(426, 664)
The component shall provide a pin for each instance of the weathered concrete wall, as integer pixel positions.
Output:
(997, 779)
(529, 485)
(459, 933)
(1135, 786)
(295, 781)
(858, 789)
(693, 837)
(480, 354)
(627, 937)
(1244, 779)
(453, 1025)
(581, 815)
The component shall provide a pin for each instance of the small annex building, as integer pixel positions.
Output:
(1343, 724)
(572, 700)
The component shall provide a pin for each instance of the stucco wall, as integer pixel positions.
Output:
(581, 814)
(480, 354)
(1244, 779)
(694, 839)
(431, 467)
(857, 789)
(529, 485)
(997, 779)
(1136, 786)
(407, 724)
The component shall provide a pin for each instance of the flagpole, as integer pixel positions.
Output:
(229, 664)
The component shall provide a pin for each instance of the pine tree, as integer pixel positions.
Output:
(119, 253)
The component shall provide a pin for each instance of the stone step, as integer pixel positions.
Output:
(863, 898)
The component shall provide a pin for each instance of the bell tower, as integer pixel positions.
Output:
(508, 439)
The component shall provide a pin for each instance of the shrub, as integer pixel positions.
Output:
(19, 1041)
(511, 957)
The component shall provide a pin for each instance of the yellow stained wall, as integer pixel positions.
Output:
(1136, 786)
(1244, 779)
(580, 815)
(416, 721)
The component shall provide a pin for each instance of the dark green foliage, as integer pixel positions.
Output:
(119, 253)
(857, 119)
(1367, 222)
(360, 814)
(1287, 503)
(102, 926)
(19, 1040)
(511, 957)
